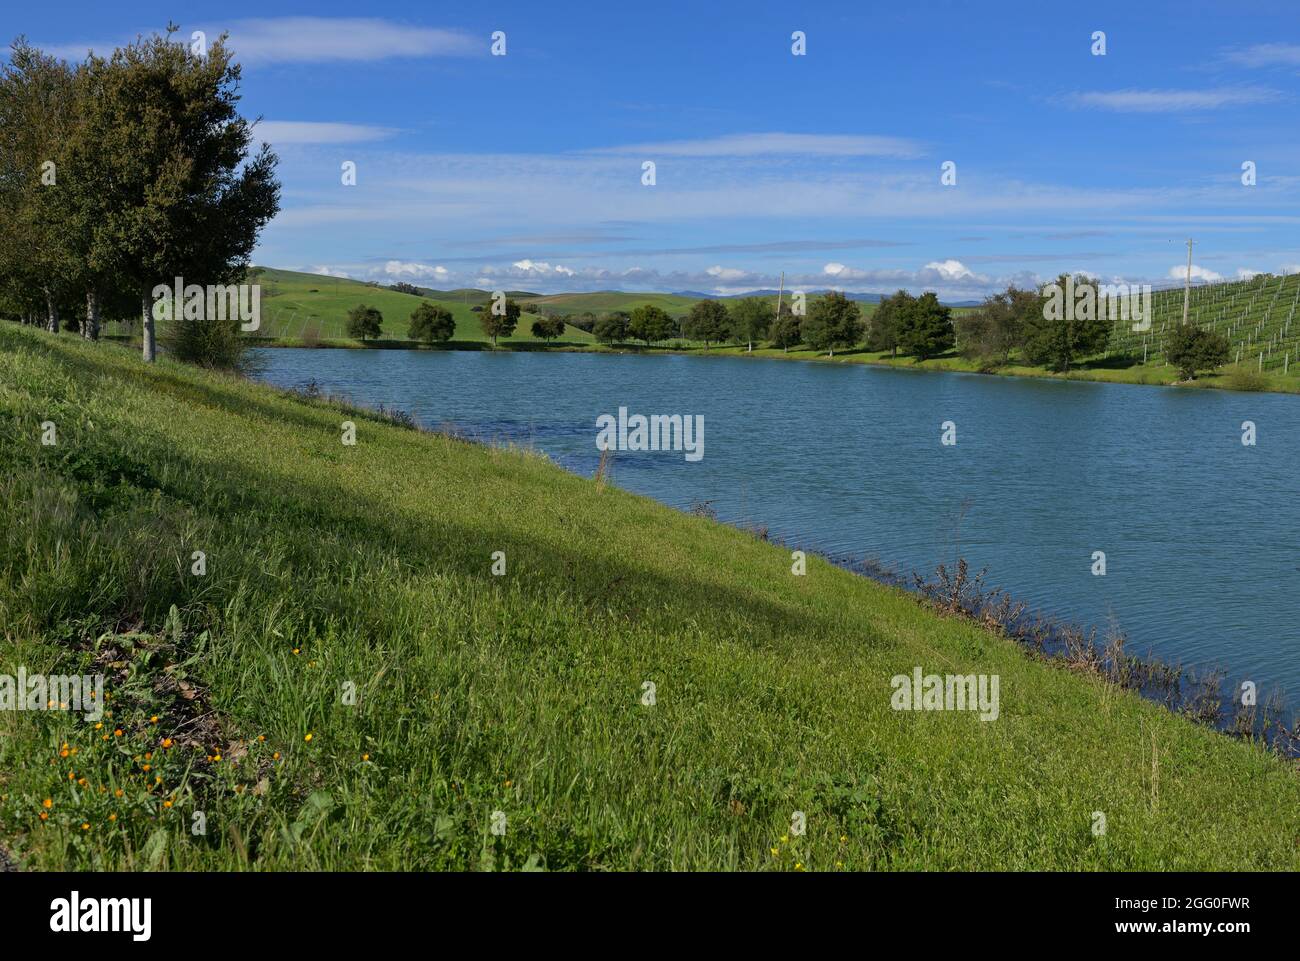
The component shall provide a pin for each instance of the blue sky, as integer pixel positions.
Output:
(525, 170)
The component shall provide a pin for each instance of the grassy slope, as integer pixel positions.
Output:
(516, 693)
(603, 300)
(296, 304)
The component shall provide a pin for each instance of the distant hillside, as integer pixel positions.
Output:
(607, 300)
(314, 307)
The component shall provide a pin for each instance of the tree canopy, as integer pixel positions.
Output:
(833, 321)
(120, 174)
(431, 323)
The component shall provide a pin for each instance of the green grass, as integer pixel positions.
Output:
(606, 300)
(330, 566)
(310, 308)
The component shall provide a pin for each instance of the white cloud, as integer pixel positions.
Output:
(1245, 273)
(1179, 272)
(1170, 101)
(759, 144)
(950, 269)
(950, 282)
(538, 268)
(313, 40)
(1266, 55)
(307, 131)
(400, 269)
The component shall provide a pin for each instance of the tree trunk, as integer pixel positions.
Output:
(90, 329)
(146, 316)
(51, 313)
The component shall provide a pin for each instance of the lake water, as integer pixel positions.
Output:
(1200, 532)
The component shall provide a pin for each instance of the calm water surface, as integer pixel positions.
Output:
(1201, 533)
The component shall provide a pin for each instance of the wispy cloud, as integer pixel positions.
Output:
(1173, 101)
(306, 131)
(769, 144)
(311, 40)
(1266, 55)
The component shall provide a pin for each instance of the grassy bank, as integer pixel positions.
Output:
(333, 569)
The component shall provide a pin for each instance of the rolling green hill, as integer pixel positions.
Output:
(347, 685)
(607, 300)
(300, 307)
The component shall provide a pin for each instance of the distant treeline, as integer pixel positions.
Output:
(122, 173)
(1014, 324)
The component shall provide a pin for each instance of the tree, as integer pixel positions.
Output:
(832, 321)
(1191, 348)
(925, 327)
(37, 107)
(751, 317)
(707, 321)
(882, 323)
(611, 328)
(548, 328)
(402, 287)
(500, 324)
(431, 323)
(1060, 333)
(364, 322)
(785, 329)
(989, 335)
(649, 323)
(186, 198)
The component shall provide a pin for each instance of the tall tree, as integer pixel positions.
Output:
(36, 114)
(187, 199)
(785, 329)
(431, 322)
(882, 323)
(751, 317)
(707, 321)
(500, 324)
(989, 335)
(833, 321)
(364, 322)
(611, 328)
(925, 327)
(1065, 328)
(650, 324)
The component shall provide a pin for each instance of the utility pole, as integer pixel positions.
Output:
(1187, 288)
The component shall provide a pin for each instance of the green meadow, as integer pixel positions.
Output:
(347, 684)
(299, 308)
